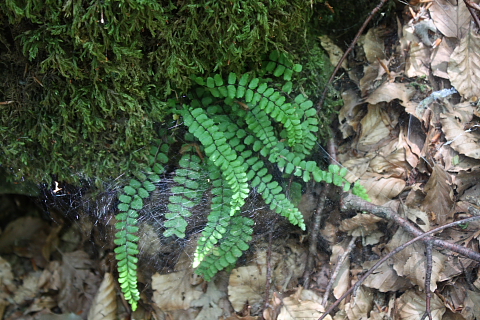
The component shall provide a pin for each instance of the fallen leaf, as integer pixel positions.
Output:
(342, 282)
(450, 18)
(360, 225)
(439, 195)
(334, 51)
(306, 306)
(464, 66)
(411, 306)
(361, 304)
(385, 278)
(173, 291)
(460, 139)
(104, 305)
(247, 284)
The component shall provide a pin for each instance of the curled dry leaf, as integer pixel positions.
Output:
(374, 129)
(411, 306)
(458, 138)
(389, 91)
(464, 66)
(104, 305)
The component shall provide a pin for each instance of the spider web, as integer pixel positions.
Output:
(91, 211)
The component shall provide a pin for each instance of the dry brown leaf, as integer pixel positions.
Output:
(79, 283)
(350, 114)
(439, 195)
(380, 189)
(374, 128)
(305, 306)
(210, 303)
(420, 218)
(471, 309)
(6, 278)
(411, 306)
(459, 138)
(104, 305)
(410, 262)
(418, 58)
(464, 66)
(173, 291)
(440, 57)
(389, 91)
(451, 19)
(384, 278)
(373, 44)
(361, 304)
(360, 225)
(342, 282)
(334, 51)
(247, 284)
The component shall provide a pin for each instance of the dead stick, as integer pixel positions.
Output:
(340, 261)
(350, 48)
(352, 202)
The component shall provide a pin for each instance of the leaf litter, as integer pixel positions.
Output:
(410, 136)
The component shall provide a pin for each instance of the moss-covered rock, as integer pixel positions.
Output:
(85, 82)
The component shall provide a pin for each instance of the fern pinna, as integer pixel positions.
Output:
(245, 124)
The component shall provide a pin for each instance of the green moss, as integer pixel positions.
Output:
(89, 79)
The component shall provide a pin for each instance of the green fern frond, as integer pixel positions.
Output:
(239, 234)
(220, 153)
(185, 195)
(219, 218)
(126, 238)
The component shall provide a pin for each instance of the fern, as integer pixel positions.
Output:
(131, 202)
(245, 125)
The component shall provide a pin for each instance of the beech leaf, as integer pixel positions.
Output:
(464, 66)
(452, 20)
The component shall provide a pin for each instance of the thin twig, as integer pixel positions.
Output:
(314, 230)
(472, 6)
(428, 280)
(391, 254)
(352, 202)
(337, 270)
(347, 52)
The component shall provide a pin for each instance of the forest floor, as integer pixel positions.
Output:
(408, 132)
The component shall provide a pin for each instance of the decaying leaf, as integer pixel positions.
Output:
(334, 51)
(464, 66)
(361, 304)
(342, 282)
(360, 225)
(374, 129)
(246, 285)
(380, 189)
(306, 305)
(410, 262)
(411, 306)
(439, 195)
(174, 291)
(385, 278)
(451, 19)
(389, 91)
(104, 305)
